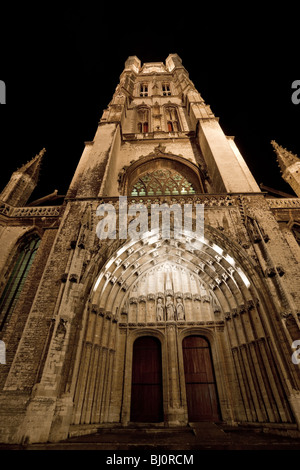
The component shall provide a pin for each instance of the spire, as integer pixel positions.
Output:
(284, 158)
(32, 167)
(22, 182)
(289, 165)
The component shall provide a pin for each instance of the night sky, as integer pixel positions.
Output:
(61, 67)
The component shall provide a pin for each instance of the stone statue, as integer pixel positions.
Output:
(159, 309)
(180, 309)
(170, 308)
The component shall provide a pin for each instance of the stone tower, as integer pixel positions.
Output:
(153, 329)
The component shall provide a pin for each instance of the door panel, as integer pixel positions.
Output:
(146, 392)
(201, 391)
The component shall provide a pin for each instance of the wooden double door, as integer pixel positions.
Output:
(147, 387)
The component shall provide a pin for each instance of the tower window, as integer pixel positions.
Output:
(166, 89)
(143, 120)
(15, 283)
(143, 89)
(172, 119)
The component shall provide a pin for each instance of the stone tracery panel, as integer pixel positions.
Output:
(168, 292)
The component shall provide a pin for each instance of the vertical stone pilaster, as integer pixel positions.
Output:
(294, 400)
(175, 406)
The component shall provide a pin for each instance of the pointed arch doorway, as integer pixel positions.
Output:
(146, 389)
(201, 391)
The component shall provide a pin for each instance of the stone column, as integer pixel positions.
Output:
(175, 411)
(294, 400)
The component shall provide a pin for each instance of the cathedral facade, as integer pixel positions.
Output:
(114, 330)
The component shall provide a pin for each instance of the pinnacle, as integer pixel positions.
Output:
(285, 158)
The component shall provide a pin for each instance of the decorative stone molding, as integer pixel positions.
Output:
(284, 203)
(5, 209)
(242, 309)
(95, 309)
(73, 278)
(197, 297)
(187, 296)
(101, 312)
(280, 270)
(151, 297)
(270, 272)
(36, 212)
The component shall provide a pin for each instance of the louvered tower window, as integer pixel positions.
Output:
(172, 119)
(162, 182)
(15, 283)
(143, 120)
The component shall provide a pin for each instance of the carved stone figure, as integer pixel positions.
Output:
(180, 309)
(159, 310)
(170, 311)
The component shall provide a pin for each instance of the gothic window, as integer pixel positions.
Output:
(162, 182)
(166, 89)
(15, 283)
(172, 119)
(143, 120)
(144, 89)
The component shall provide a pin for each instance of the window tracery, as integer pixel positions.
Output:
(166, 89)
(143, 120)
(15, 283)
(172, 119)
(162, 182)
(144, 89)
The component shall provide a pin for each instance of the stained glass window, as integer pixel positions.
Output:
(162, 182)
(17, 278)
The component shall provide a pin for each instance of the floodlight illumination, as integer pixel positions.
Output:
(217, 249)
(244, 277)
